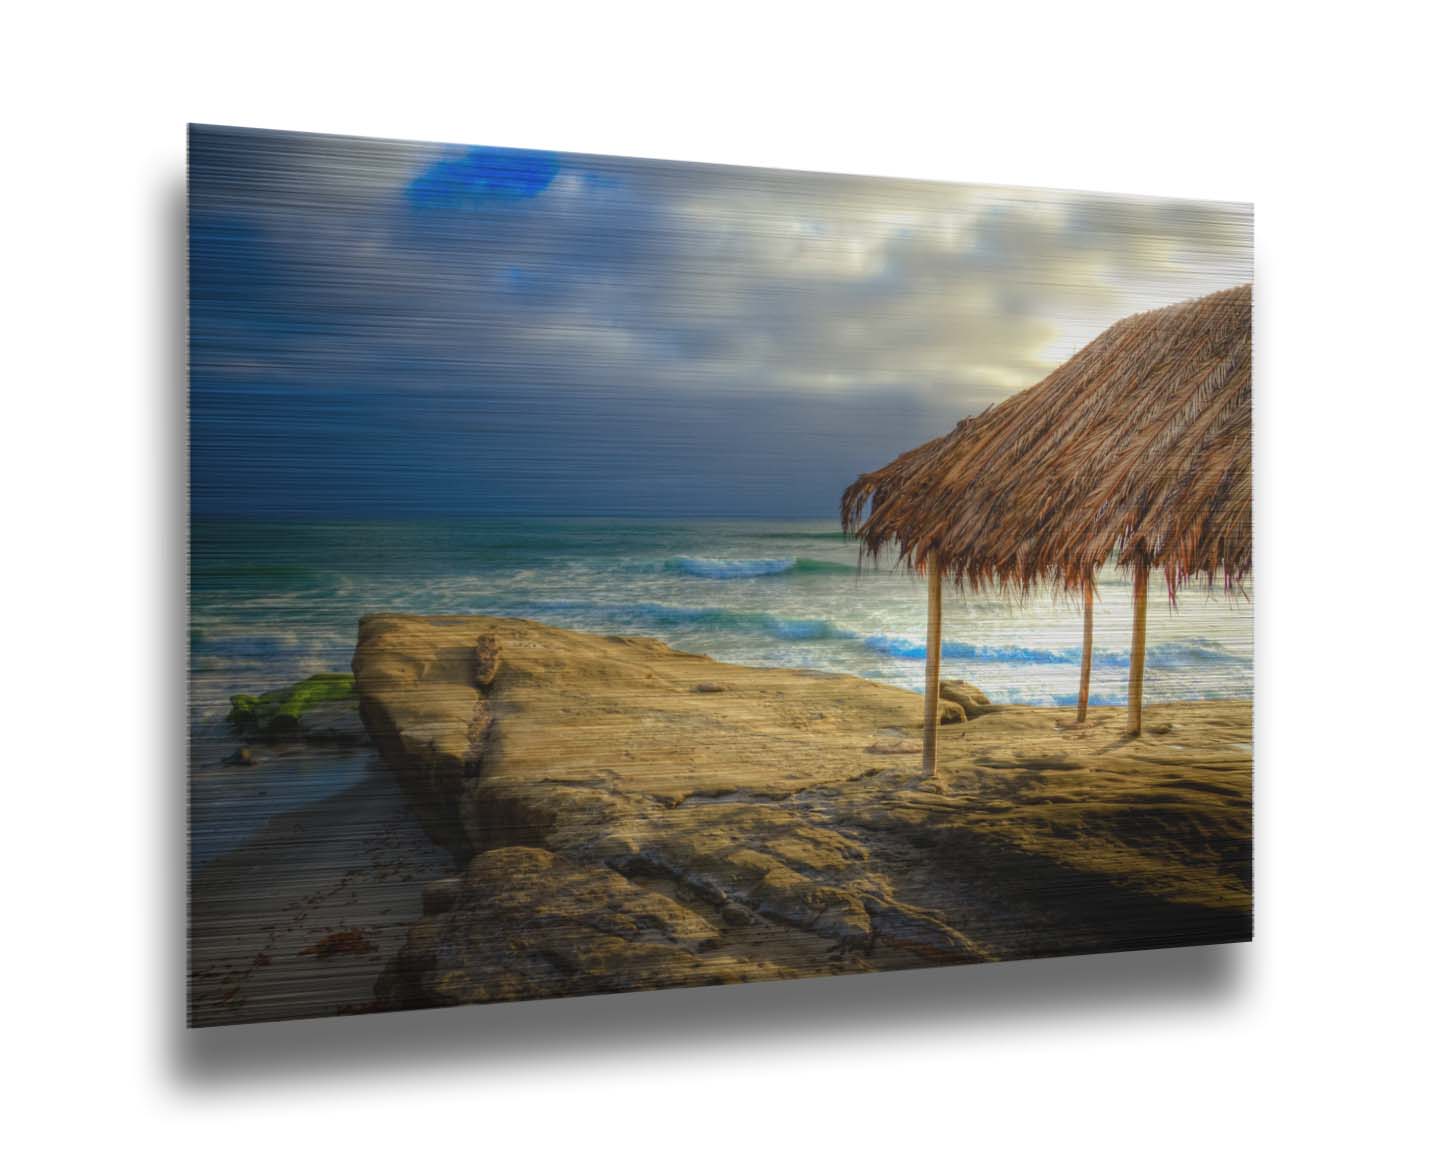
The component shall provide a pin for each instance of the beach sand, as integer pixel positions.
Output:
(352, 864)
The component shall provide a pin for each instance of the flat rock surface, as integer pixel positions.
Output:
(622, 815)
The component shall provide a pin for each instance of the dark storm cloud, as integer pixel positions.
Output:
(379, 325)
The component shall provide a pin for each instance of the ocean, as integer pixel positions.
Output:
(273, 602)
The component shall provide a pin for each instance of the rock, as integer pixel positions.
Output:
(477, 734)
(970, 698)
(614, 832)
(578, 706)
(243, 756)
(244, 713)
(487, 661)
(346, 942)
(529, 924)
(440, 895)
(951, 713)
(418, 696)
(282, 726)
(736, 914)
(321, 708)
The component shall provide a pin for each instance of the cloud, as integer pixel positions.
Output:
(376, 269)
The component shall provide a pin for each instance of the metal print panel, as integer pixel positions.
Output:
(612, 574)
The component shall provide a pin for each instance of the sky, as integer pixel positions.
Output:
(383, 330)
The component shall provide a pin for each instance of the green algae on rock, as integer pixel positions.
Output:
(313, 708)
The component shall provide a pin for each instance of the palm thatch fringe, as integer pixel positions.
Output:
(1136, 449)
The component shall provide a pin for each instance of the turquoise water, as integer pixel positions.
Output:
(273, 602)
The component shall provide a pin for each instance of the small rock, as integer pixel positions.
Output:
(346, 942)
(243, 756)
(969, 697)
(439, 895)
(487, 661)
(709, 686)
(951, 713)
(736, 915)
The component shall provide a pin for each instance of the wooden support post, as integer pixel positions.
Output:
(1137, 647)
(932, 670)
(1087, 646)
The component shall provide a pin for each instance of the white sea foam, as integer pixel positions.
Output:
(290, 604)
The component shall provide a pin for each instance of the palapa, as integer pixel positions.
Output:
(1136, 450)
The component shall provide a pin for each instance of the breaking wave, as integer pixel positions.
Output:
(726, 568)
(719, 620)
(1159, 655)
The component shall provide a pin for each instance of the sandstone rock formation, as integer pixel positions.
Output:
(623, 815)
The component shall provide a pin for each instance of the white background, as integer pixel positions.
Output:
(1322, 1031)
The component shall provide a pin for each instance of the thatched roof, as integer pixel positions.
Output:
(1136, 447)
